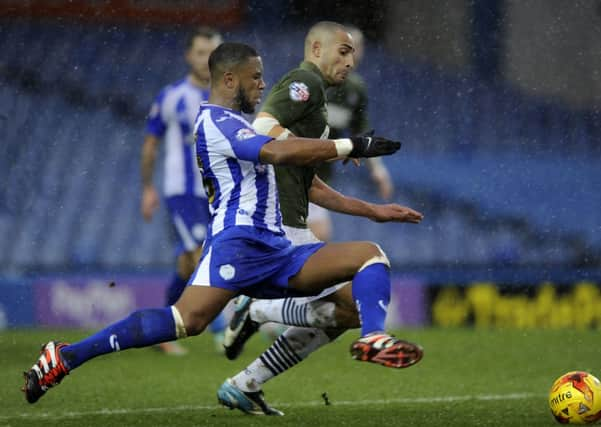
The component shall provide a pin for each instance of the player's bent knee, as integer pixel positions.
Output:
(193, 323)
(379, 258)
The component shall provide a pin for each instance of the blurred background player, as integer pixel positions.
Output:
(347, 115)
(171, 119)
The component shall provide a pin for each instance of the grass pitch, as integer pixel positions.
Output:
(467, 378)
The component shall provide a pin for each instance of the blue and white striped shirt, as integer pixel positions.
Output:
(171, 118)
(241, 190)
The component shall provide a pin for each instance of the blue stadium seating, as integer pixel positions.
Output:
(501, 177)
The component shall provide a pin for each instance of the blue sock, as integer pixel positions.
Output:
(175, 289)
(141, 329)
(218, 325)
(371, 292)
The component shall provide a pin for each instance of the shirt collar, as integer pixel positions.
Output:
(309, 66)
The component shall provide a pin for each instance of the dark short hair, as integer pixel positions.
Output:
(229, 55)
(204, 32)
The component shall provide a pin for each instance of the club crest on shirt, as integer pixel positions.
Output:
(244, 133)
(299, 92)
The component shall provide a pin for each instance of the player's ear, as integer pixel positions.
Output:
(229, 79)
(316, 48)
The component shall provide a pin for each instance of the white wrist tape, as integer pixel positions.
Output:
(344, 146)
(264, 124)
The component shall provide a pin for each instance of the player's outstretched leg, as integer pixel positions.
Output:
(140, 329)
(249, 402)
(48, 371)
(197, 307)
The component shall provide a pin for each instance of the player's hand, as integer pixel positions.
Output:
(373, 146)
(395, 213)
(150, 202)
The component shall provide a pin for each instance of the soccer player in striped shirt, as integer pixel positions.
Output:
(171, 119)
(246, 250)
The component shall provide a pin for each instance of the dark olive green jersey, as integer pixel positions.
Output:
(297, 101)
(347, 113)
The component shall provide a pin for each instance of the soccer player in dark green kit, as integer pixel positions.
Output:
(296, 106)
(347, 115)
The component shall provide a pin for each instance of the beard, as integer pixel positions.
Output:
(242, 100)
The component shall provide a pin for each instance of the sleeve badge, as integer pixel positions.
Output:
(299, 92)
(244, 134)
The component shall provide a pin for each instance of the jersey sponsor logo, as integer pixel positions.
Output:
(299, 92)
(227, 271)
(244, 133)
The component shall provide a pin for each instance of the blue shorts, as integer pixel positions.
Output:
(254, 262)
(190, 217)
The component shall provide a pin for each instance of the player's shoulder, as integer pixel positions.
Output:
(174, 86)
(298, 85)
(172, 89)
(302, 75)
(224, 119)
(221, 114)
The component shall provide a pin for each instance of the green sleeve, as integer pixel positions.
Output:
(296, 95)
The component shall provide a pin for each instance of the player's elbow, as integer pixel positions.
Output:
(276, 153)
(269, 155)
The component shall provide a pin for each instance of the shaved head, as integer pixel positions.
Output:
(322, 32)
(329, 46)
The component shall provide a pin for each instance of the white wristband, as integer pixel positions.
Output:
(344, 146)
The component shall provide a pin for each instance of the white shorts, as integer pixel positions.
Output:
(317, 213)
(304, 236)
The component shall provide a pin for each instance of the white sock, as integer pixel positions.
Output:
(294, 345)
(294, 312)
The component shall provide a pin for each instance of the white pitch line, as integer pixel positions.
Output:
(402, 400)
